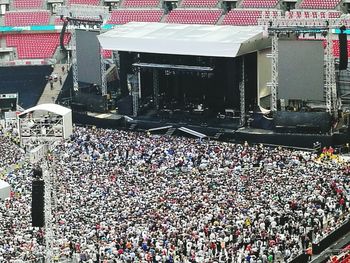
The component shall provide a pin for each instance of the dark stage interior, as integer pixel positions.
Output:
(188, 95)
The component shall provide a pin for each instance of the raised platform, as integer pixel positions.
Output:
(218, 129)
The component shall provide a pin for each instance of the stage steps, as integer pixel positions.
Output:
(217, 136)
(133, 126)
(170, 132)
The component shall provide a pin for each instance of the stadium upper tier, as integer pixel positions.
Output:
(199, 3)
(259, 3)
(38, 45)
(28, 4)
(141, 3)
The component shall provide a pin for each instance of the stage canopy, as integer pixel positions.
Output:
(181, 39)
(5, 190)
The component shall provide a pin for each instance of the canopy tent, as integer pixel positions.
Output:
(182, 39)
(5, 190)
(49, 107)
(59, 110)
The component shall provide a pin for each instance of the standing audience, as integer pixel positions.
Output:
(134, 197)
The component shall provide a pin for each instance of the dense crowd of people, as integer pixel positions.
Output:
(134, 197)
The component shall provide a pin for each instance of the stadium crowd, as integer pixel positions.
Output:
(135, 197)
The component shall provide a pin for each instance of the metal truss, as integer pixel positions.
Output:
(83, 11)
(156, 88)
(135, 92)
(49, 235)
(330, 83)
(274, 72)
(319, 25)
(242, 94)
(74, 59)
(103, 76)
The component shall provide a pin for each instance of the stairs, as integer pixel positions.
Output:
(132, 126)
(170, 132)
(217, 136)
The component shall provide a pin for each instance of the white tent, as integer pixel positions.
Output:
(182, 39)
(5, 190)
(64, 112)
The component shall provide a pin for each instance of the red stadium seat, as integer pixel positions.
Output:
(28, 4)
(319, 4)
(27, 18)
(84, 2)
(106, 53)
(312, 14)
(246, 17)
(123, 16)
(199, 3)
(141, 3)
(34, 46)
(194, 16)
(259, 3)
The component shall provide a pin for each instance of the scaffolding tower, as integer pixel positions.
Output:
(94, 17)
(320, 26)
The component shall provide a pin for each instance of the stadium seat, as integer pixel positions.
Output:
(141, 3)
(319, 4)
(83, 2)
(259, 3)
(27, 18)
(34, 46)
(194, 16)
(312, 14)
(106, 53)
(123, 16)
(336, 48)
(28, 4)
(246, 17)
(199, 3)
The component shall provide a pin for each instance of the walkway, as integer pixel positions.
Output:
(50, 94)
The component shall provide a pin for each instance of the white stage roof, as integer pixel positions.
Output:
(50, 107)
(180, 39)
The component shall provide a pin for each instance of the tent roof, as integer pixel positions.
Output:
(3, 184)
(180, 39)
(50, 107)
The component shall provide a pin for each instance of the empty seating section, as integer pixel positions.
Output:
(27, 18)
(312, 14)
(245, 17)
(319, 4)
(336, 48)
(28, 4)
(35, 46)
(259, 3)
(106, 53)
(84, 2)
(122, 16)
(199, 3)
(194, 16)
(141, 3)
(58, 21)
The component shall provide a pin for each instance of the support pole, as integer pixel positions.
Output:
(242, 94)
(274, 77)
(135, 94)
(156, 88)
(49, 237)
(74, 60)
(103, 75)
(330, 82)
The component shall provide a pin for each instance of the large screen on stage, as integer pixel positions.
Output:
(88, 56)
(300, 69)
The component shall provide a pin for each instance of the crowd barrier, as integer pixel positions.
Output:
(331, 238)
